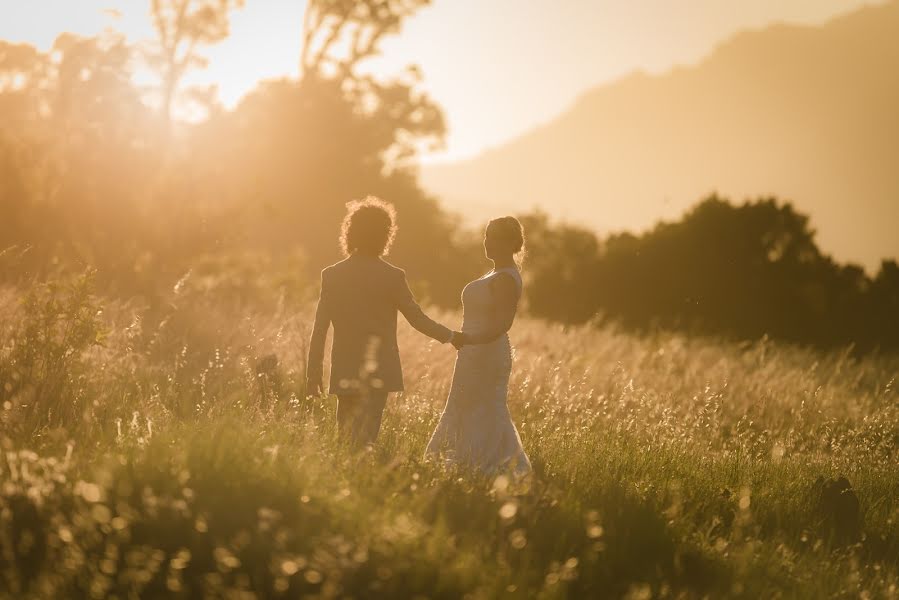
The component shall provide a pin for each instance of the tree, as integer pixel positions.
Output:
(883, 312)
(364, 23)
(741, 271)
(338, 37)
(90, 177)
(182, 26)
(22, 72)
(301, 150)
(561, 266)
(76, 154)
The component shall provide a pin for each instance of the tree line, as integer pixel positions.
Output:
(742, 271)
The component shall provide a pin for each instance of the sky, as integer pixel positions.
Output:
(498, 67)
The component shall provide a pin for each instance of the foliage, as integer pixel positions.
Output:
(42, 359)
(339, 36)
(561, 267)
(93, 174)
(745, 271)
(182, 25)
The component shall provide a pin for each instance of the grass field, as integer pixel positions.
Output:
(150, 451)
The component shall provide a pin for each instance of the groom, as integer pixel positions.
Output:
(360, 296)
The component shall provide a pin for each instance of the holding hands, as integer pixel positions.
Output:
(314, 383)
(458, 340)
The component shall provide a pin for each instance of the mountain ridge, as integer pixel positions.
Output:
(807, 114)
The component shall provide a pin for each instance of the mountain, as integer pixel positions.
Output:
(808, 114)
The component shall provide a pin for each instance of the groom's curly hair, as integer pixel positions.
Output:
(369, 227)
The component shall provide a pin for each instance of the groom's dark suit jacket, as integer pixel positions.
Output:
(361, 296)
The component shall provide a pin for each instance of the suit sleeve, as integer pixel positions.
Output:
(320, 328)
(415, 315)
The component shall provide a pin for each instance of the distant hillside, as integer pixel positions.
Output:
(807, 114)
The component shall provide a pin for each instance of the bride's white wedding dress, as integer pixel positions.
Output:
(475, 428)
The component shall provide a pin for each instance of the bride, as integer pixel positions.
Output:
(475, 428)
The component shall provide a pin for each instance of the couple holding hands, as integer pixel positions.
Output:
(361, 297)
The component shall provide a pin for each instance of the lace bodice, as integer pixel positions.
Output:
(477, 300)
(475, 427)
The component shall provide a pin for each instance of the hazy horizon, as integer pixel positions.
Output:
(486, 102)
(804, 114)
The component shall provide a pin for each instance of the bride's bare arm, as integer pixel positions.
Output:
(505, 296)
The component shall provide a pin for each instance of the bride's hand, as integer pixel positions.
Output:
(314, 384)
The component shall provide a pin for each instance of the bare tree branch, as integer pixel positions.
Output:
(181, 27)
(333, 36)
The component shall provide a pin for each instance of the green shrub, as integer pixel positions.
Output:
(43, 369)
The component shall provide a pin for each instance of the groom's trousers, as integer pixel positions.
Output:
(359, 417)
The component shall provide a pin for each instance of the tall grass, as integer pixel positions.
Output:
(167, 448)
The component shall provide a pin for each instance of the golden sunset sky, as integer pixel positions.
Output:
(498, 67)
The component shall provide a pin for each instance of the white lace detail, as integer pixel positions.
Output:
(475, 427)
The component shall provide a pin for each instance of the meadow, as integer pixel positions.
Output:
(166, 448)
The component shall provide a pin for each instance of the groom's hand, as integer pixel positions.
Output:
(458, 340)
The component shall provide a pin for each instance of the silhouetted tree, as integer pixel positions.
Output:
(182, 26)
(743, 271)
(91, 177)
(305, 149)
(309, 146)
(22, 68)
(883, 315)
(561, 264)
(77, 146)
(340, 35)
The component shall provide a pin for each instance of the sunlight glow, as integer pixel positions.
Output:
(487, 101)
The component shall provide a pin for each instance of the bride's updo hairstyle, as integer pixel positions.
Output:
(369, 227)
(510, 231)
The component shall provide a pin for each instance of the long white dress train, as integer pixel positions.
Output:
(475, 428)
